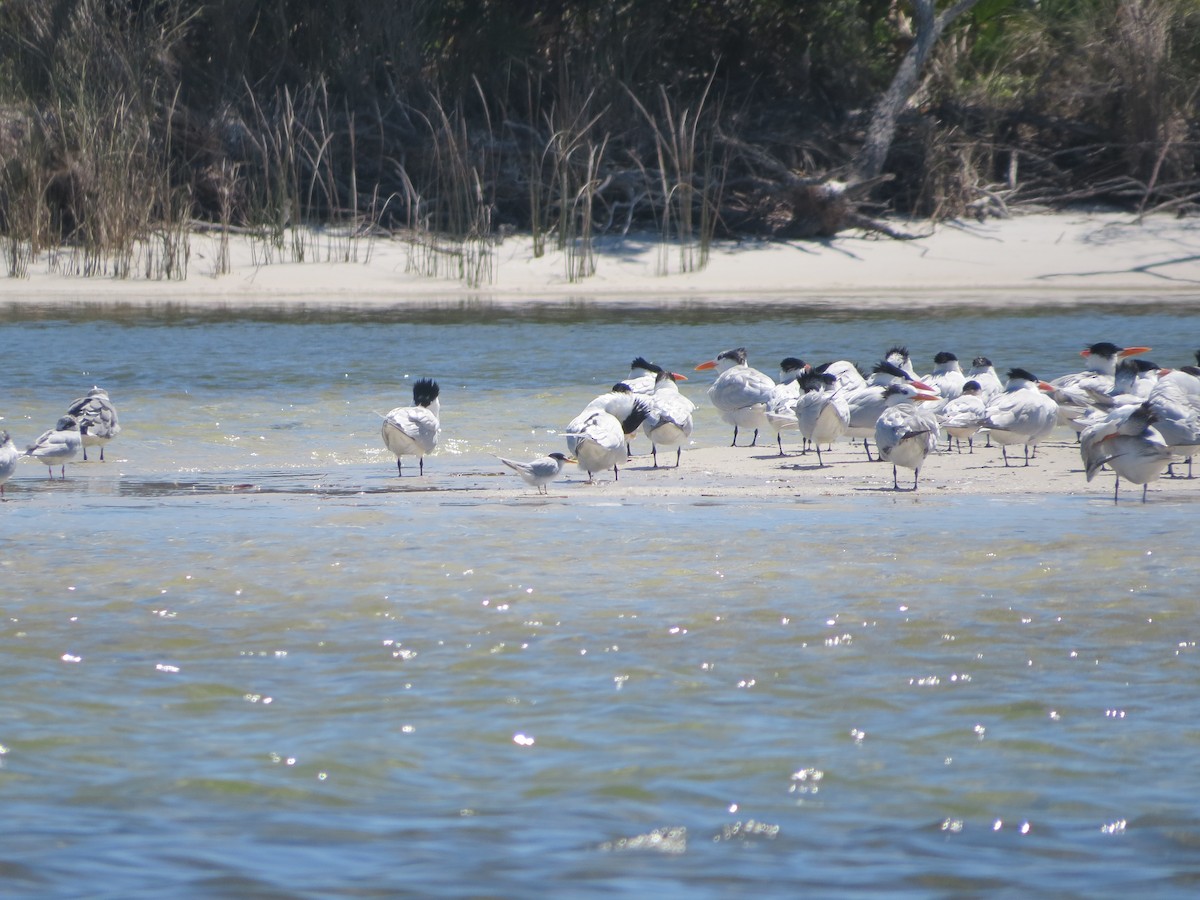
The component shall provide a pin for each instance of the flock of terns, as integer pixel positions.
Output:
(90, 421)
(1130, 414)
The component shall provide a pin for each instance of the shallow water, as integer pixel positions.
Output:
(242, 658)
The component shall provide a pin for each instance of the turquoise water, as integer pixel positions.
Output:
(242, 659)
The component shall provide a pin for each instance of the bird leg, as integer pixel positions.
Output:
(654, 454)
(734, 444)
(399, 471)
(678, 456)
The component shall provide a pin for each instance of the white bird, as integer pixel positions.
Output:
(1178, 416)
(1076, 392)
(598, 441)
(822, 413)
(898, 357)
(867, 403)
(961, 416)
(413, 430)
(669, 421)
(984, 374)
(539, 472)
(619, 402)
(947, 377)
(1023, 414)
(1126, 442)
(9, 454)
(58, 446)
(844, 371)
(97, 412)
(906, 434)
(781, 403)
(740, 393)
(641, 377)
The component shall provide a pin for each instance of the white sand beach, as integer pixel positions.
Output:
(1061, 254)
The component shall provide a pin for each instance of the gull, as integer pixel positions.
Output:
(9, 454)
(539, 472)
(740, 393)
(413, 430)
(906, 434)
(97, 412)
(59, 445)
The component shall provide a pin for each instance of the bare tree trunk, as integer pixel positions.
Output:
(882, 127)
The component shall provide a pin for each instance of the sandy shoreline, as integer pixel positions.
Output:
(1066, 256)
(760, 473)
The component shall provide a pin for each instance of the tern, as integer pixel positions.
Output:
(960, 417)
(9, 454)
(1127, 442)
(906, 434)
(1023, 414)
(781, 403)
(539, 472)
(96, 411)
(669, 421)
(413, 430)
(59, 445)
(740, 393)
(822, 413)
(597, 438)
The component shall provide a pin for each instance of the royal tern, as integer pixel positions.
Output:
(898, 357)
(538, 472)
(642, 376)
(822, 414)
(413, 430)
(618, 401)
(781, 403)
(598, 441)
(961, 416)
(59, 445)
(1127, 442)
(740, 393)
(9, 454)
(1077, 390)
(847, 373)
(97, 413)
(1023, 414)
(1178, 416)
(867, 403)
(947, 377)
(983, 373)
(669, 421)
(905, 433)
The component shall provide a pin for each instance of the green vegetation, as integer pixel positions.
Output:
(126, 125)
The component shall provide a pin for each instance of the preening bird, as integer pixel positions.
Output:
(1127, 442)
(413, 430)
(596, 438)
(97, 418)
